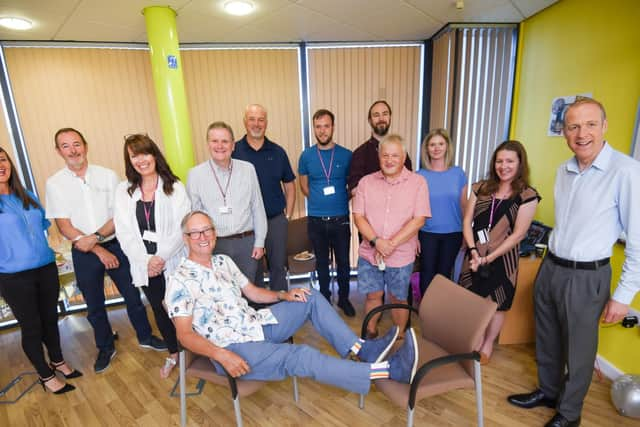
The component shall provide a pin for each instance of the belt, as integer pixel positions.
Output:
(578, 265)
(330, 218)
(238, 235)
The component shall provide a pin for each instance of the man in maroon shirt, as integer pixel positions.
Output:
(365, 157)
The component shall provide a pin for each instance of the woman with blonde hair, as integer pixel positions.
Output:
(441, 235)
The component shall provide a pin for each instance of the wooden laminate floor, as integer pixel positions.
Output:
(130, 392)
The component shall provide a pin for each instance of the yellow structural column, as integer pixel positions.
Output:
(166, 66)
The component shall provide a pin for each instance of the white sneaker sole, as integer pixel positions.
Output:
(414, 368)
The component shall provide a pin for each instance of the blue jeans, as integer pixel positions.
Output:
(90, 272)
(331, 234)
(438, 252)
(273, 360)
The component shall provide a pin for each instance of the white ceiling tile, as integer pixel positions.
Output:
(531, 7)
(407, 23)
(474, 10)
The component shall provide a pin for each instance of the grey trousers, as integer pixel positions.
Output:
(240, 252)
(275, 246)
(568, 304)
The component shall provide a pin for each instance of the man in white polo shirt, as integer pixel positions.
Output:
(80, 199)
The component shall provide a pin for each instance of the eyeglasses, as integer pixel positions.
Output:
(196, 235)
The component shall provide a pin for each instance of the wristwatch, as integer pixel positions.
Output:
(281, 295)
(372, 242)
(99, 236)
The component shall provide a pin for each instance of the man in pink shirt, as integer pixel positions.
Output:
(389, 208)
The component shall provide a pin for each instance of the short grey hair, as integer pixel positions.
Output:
(187, 217)
(393, 138)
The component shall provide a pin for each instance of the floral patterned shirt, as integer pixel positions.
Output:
(213, 297)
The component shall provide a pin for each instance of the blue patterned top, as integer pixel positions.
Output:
(214, 298)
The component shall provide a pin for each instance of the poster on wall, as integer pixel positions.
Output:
(559, 107)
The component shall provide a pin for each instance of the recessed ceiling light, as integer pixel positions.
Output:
(239, 7)
(15, 23)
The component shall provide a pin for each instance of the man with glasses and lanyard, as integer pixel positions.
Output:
(323, 170)
(228, 190)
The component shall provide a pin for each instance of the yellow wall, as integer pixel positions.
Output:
(580, 46)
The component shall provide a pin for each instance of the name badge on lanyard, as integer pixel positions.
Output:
(224, 210)
(150, 236)
(329, 189)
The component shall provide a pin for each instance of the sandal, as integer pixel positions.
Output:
(169, 364)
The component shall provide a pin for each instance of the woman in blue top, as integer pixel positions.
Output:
(441, 236)
(29, 278)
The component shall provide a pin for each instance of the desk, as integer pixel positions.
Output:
(519, 324)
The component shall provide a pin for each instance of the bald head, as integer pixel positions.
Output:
(255, 122)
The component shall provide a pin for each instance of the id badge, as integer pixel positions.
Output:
(483, 236)
(329, 190)
(224, 210)
(150, 236)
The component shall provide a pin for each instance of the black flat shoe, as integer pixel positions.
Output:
(74, 374)
(559, 420)
(62, 390)
(531, 400)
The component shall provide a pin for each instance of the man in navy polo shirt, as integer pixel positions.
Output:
(323, 170)
(274, 173)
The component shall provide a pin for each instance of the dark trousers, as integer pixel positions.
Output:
(90, 272)
(155, 295)
(438, 252)
(32, 296)
(276, 253)
(331, 234)
(568, 305)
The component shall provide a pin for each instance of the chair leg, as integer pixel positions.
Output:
(410, 417)
(296, 396)
(183, 390)
(361, 402)
(478, 380)
(15, 381)
(236, 408)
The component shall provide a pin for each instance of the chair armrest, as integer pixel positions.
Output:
(440, 361)
(379, 309)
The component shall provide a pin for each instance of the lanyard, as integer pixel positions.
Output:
(324, 169)
(493, 210)
(147, 210)
(226, 187)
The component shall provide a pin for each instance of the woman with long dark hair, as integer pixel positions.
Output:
(441, 235)
(29, 278)
(147, 212)
(497, 217)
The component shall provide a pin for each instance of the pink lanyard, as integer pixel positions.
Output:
(324, 169)
(147, 211)
(493, 199)
(226, 187)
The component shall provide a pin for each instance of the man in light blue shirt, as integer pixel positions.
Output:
(594, 202)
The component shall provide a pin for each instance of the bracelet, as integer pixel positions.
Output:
(280, 295)
(78, 237)
(473, 248)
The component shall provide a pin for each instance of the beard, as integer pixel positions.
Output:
(326, 141)
(381, 129)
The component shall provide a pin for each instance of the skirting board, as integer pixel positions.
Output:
(608, 369)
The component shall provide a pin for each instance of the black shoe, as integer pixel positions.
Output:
(74, 374)
(154, 343)
(104, 360)
(62, 390)
(531, 400)
(346, 306)
(559, 420)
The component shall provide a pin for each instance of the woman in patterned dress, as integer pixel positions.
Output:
(497, 216)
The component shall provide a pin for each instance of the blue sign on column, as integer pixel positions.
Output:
(172, 61)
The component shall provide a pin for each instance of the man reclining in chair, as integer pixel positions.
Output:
(204, 298)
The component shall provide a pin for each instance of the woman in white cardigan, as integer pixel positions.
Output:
(147, 213)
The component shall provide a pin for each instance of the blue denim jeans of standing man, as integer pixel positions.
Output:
(90, 272)
(331, 234)
(272, 359)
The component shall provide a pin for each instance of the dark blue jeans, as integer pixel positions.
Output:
(90, 272)
(331, 234)
(438, 252)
